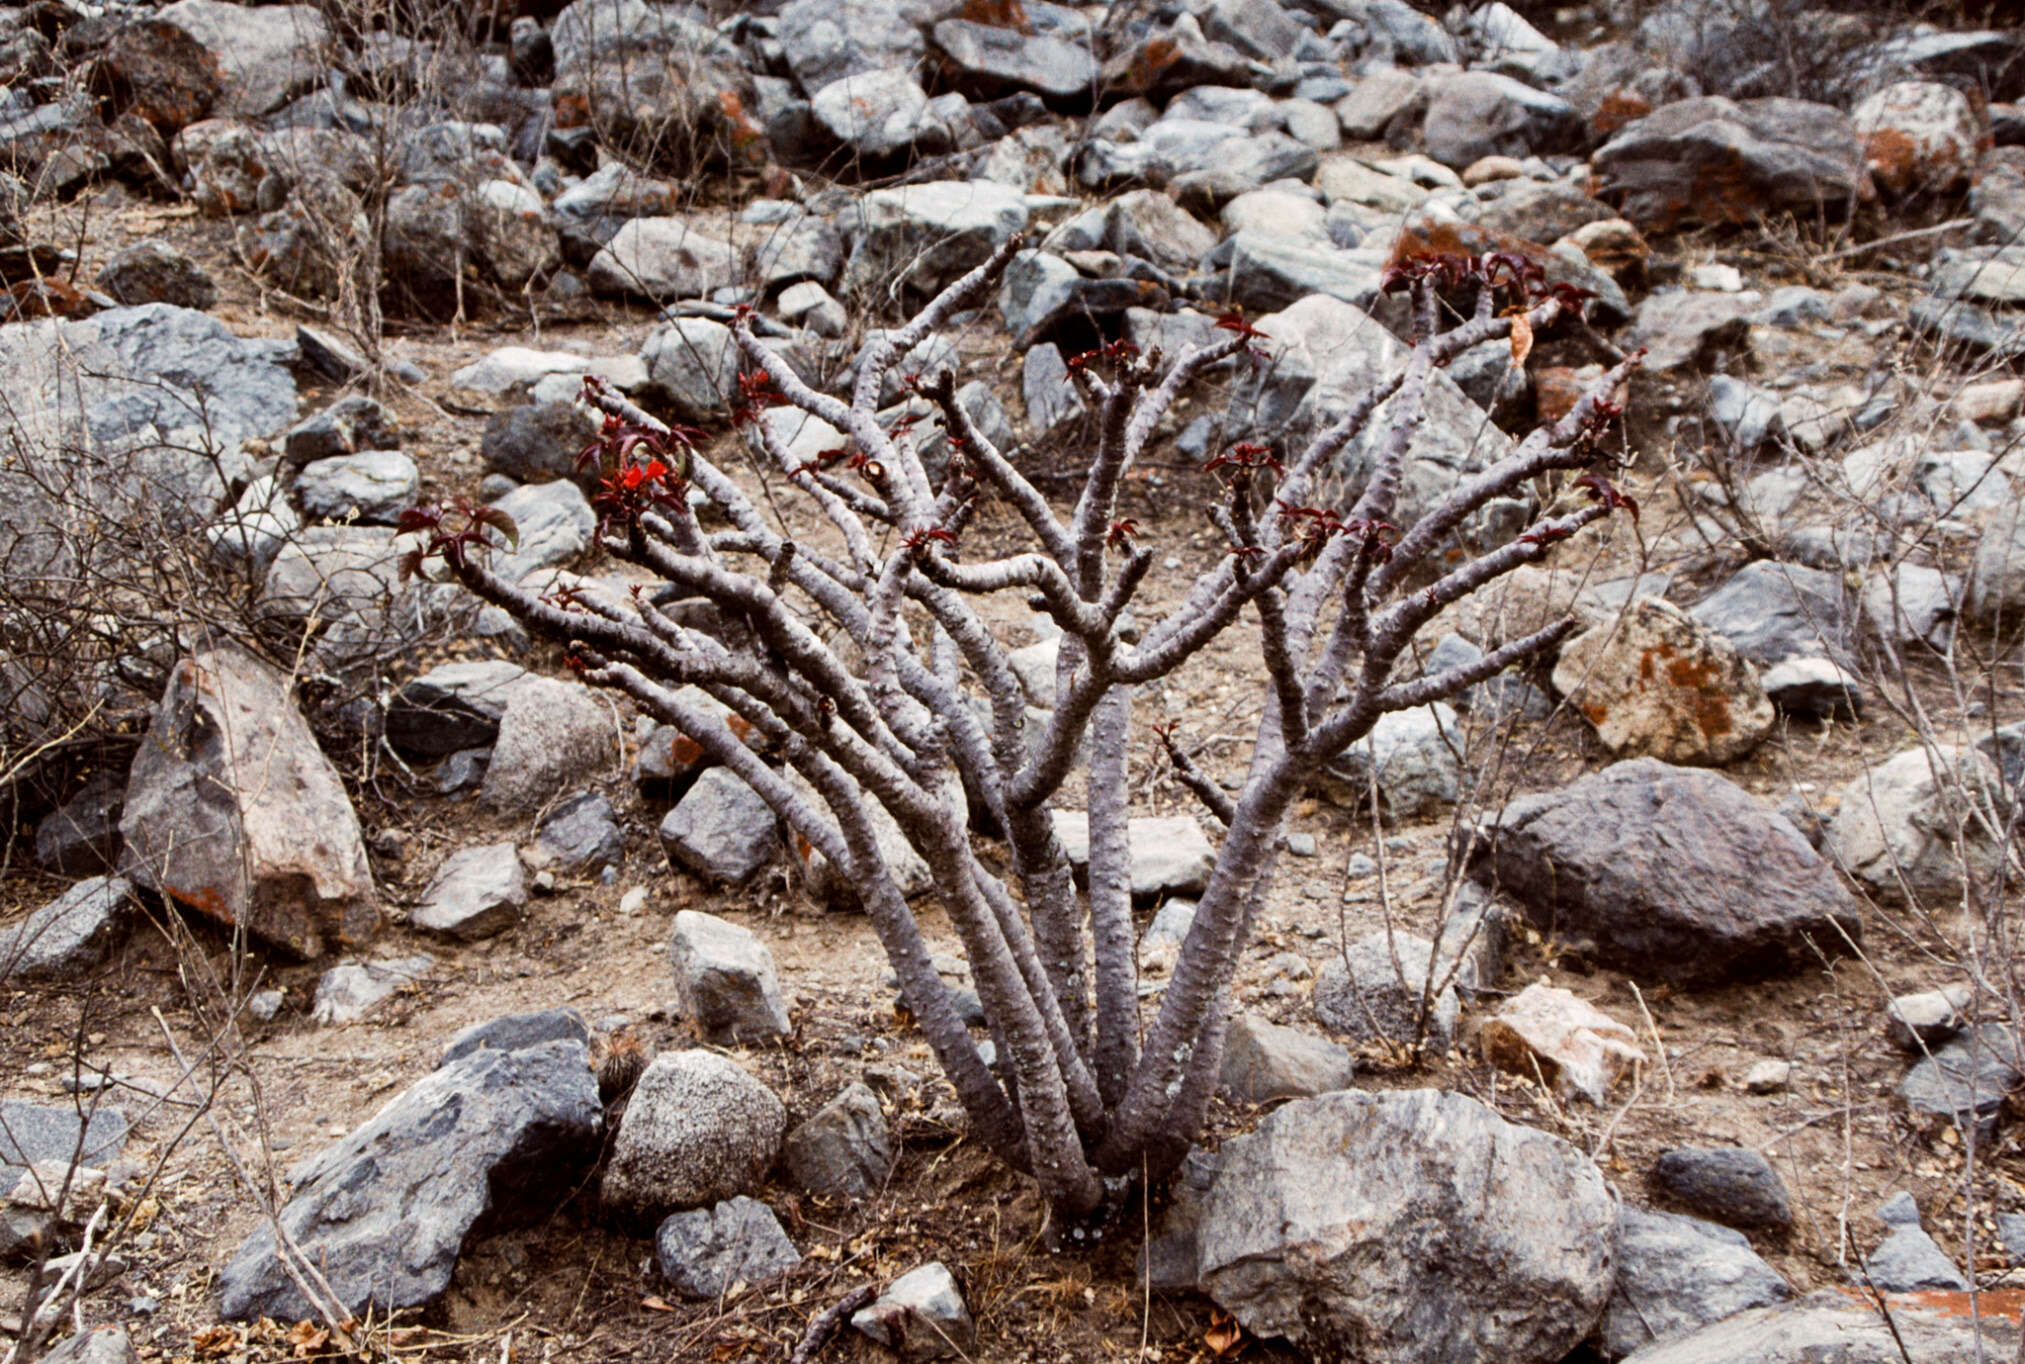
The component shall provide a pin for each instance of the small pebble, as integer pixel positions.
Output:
(1358, 867)
(633, 901)
(1768, 1076)
(1301, 845)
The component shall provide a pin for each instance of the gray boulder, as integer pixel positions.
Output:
(152, 271)
(1965, 1082)
(1362, 994)
(1910, 828)
(476, 893)
(373, 487)
(234, 811)
(1677, 1273)
(534, 442)
(1667, 872)
(826, 40)
(353, 423)
(1773, 612)
(349, 991)
(663, 259)
(721, 829)
(725, 980)
(100, 1345)
(1415, 756)
(1263, 1061)
(266, 56)
(1407, 1226)
(987, 60)
(877, 114)
(517, 1032)
(583, 833)
(919, 238)
(1170, 854)
(694, 362)
(453, 706)
(703, 1252)
(552, 736)
(491, 1139)
(1827, 1326)
(844, 1150)
(555, 522)
(921, 1315)
(697, 1130)
(1732, 1184)
(1479, 114)
(1715, 160)
(67, 936)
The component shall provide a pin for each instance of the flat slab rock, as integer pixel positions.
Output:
(1405, 1228)
(1667, 873)
(1831, 1326)
(494, 1138)
(1170, 853)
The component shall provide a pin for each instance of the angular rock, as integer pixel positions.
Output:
(82, 836)
(1263, 1061)
(1170, 853)
(1265, 271)
(1714, 160)
(152, 271)
(583, 834)
(69, 935)
(1813, 688)
(721, 830)
(535, 442)
(1677, 1273)
(702, 1253)
(826, 40)
(877, 114)
(1826, 1326)
(697, 1130)
(552, 736)
(1996, 591)
(1668, 873)
(1910, 1261)
(843, 1151)
(476, 893)
(1550, 1034)
(1920, 1022)
(1479, 114)
(921, 1315)
(1732, 1184)
(986, 61)
(1655, 683)
(1907, 828)
(1918, 136)
(1773, 611)
(348, 992)
(663, 259)
(373, 487)
(1407, 1226)
(1965, 1081)
(1415, 756)
(725, 980)
(268, 54)
(517, 1032)
(694, 363)
(35, 1134)
(351, 424)
(1363, 995)
(491, 1139)
(923, 237)
(233, 811)
(453, 706)
(1682, 331)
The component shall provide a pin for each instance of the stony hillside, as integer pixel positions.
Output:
(376, 986)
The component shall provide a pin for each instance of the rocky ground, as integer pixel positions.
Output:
(545, 1046)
